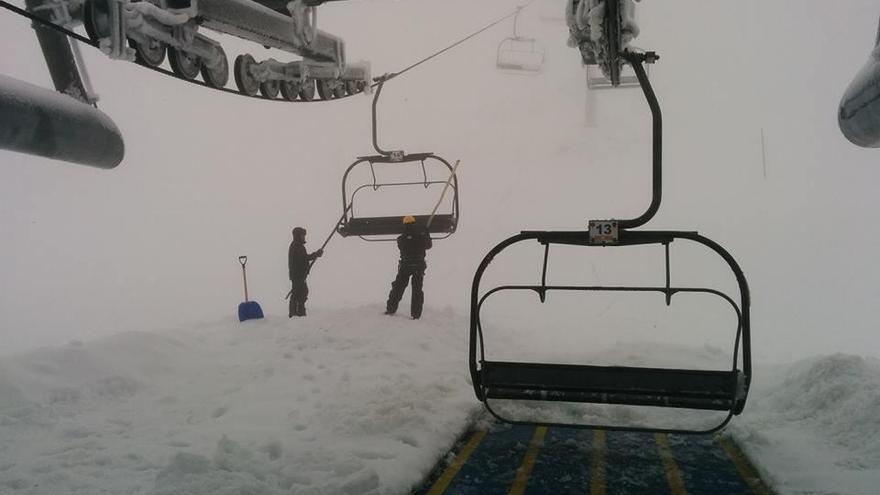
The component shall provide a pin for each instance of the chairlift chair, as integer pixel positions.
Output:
(386, 228)
(697, 389)
(519, 54)
(376, 228)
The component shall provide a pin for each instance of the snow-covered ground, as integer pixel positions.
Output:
(352, 402)
(344, 402)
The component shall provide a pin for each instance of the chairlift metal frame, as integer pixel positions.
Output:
(510, 48)
(709, 390)
(387, 228)
(442, 224)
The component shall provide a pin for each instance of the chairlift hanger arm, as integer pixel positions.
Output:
(636, 60)
(380, 83)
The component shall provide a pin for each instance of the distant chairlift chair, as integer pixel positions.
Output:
(711, 390)
(519, 54)
(386, 228)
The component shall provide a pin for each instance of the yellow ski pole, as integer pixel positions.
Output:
(443, 193)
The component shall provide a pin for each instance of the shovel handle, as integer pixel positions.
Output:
(243, 261)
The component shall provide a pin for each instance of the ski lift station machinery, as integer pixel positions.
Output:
(519, 54)
(146, 31)
(586, 19)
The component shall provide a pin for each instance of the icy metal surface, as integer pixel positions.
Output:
(859, 113)
(46, 123)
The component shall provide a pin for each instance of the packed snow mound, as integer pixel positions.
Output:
(349, 401)
(116, 366)
(813, 427)
(837, 397)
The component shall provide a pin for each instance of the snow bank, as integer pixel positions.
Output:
(341, 402)
(351, 402)
(814, 427)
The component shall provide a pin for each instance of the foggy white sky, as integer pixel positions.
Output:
(209, 176)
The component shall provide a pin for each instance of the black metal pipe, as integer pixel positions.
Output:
(42, 122)
(859, 112)
(375, 101)
(348, 201)
(636, 60)
(59, 57)
(668, 292)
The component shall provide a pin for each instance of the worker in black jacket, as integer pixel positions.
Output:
(412, 244)
(299, 262)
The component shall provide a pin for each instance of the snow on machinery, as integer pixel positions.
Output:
(144, 31)
(602, 30)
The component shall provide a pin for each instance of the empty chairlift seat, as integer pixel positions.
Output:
(520, 55)
(441, 224)
(661, 387)
(698, 389)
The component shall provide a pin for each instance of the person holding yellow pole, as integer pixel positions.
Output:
(413, 243)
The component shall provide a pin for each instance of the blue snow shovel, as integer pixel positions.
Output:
(248, 310)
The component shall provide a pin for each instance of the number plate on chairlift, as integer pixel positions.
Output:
(397, 155)
(603, 232)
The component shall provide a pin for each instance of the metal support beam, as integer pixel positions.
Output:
(859, 112)
(59, 57)
(42, 122)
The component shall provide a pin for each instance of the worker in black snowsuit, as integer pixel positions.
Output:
(412, 244)
(299, 262)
